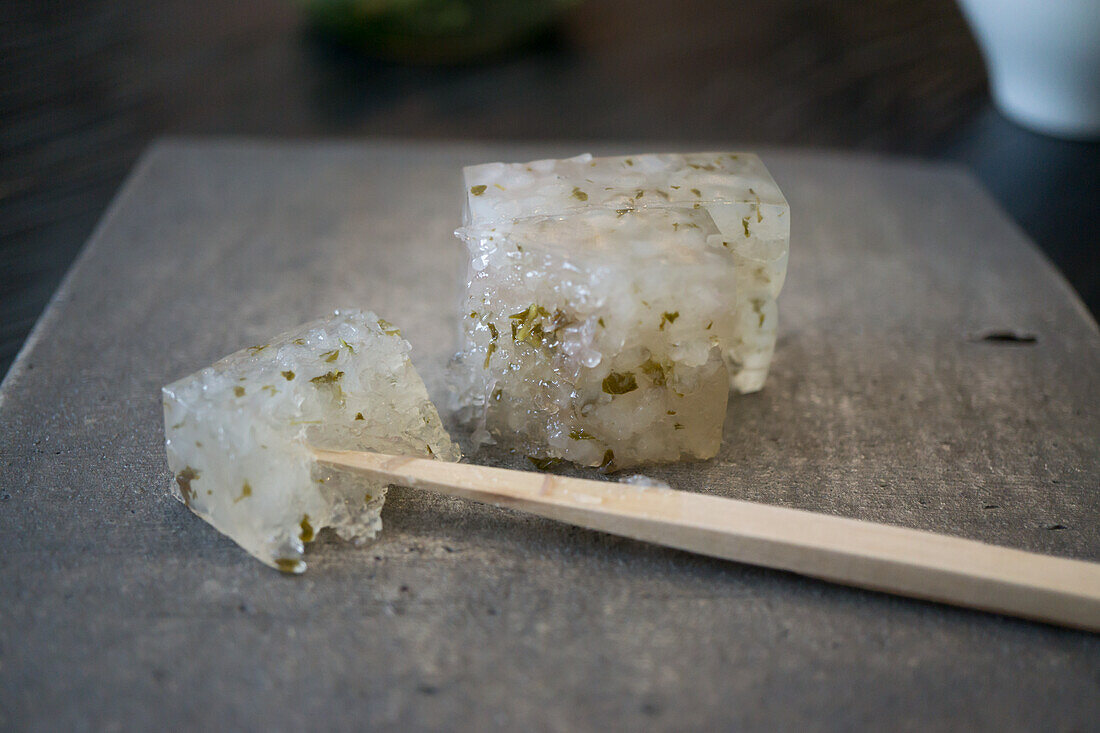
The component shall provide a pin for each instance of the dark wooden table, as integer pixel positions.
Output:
(84, 86)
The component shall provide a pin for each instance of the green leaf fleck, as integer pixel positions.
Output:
(758, 309)
(527, 328)
(478, 190)
(289, 375)
(655, 371)
(579, 194)
(543, 464)
(184, 479)
(329, 378)
(289, 565)
(617, 383)
(560, 320)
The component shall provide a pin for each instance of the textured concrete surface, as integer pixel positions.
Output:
(119, 610)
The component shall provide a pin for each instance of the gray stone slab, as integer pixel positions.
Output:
(119, 610)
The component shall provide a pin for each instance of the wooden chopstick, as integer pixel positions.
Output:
(880, 557)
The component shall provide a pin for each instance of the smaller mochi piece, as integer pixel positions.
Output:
(238, 434)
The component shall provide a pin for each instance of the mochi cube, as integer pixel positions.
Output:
(238, 434)
(610, 302)
(594, 337)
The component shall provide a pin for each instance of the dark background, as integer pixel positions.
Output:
(85, 86)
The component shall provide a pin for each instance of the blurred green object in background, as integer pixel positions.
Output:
(434, 31)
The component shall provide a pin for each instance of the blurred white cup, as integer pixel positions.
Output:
(1044, 61)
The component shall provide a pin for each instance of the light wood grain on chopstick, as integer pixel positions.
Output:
(852, 552)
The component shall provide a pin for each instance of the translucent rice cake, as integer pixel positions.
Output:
(237, 433)
(750, 217)
(601, 295)
(593, 337)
